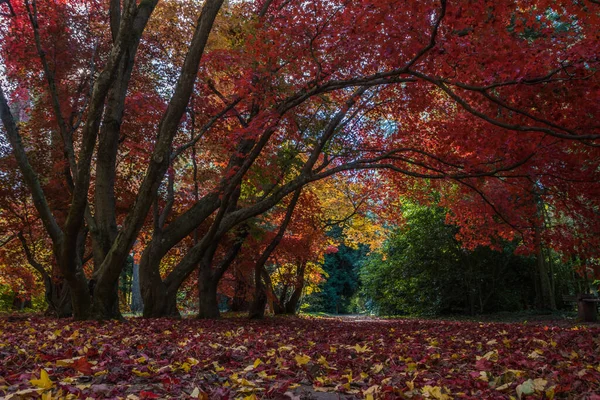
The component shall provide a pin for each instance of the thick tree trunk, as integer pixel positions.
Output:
(159, 300)
(259, 303)
(207, 298)
(106, 302)
(64, 304)
(240, 294)
(81, 300)
(58, 297)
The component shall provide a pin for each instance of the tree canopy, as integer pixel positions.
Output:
(203, 135)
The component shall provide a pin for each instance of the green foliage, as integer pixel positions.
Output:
(336, 295)
(424, 271)
(6, 298)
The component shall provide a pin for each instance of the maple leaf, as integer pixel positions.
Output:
(44, 382)
(435, 392)
(377, 368)
(301, 359)
(361, 349)
(83, 365)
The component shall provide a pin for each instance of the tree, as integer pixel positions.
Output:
(331, 87)
(423, 269)
(341, 267)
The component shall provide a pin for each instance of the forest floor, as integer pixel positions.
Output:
(298, 358)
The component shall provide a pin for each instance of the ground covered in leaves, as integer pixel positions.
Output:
(296, 358)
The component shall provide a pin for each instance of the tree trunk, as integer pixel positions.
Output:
(81, 300)
(546, 300)
(64, 305)
(158, 299)
(239, 302)
(137, 304)
(257, 307)
(207, 297)
(106, 302)
(159, 302)
(292, 305)
(58, 297)
(280, 307)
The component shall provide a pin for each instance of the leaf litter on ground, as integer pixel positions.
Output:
(297, 358)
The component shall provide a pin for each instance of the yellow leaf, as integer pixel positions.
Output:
(372, 390)
(186, 367)
(323, 362)
(323, 380)
(140, 373)
(302, 359)
(435, 392)
(503, 387)
(490, 356)
(257, 362)
(218, 368)
(483, 376)
(66, 362)
(360, 349)
(44, 382)
(377, 368)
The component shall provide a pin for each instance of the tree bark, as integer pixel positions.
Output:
(137, 303)
(258, 305)
(546, 299)
(207, 297)
(292, 304)
(257, 310)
